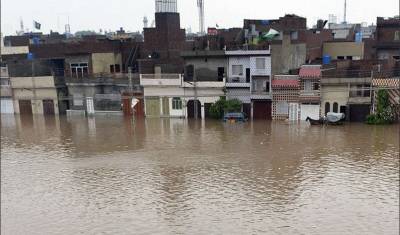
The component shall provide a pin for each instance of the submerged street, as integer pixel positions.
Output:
(113, 175)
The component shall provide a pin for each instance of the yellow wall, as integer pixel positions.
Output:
(335, 49)
(101, 61)
(332, 94)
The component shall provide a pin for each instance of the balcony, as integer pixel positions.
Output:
(237, 82)
(204, 84)
(162, 80)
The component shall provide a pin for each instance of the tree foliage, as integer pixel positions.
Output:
(222, 106)
(385, 112)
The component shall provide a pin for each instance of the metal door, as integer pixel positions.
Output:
(153, 107)
(165, 106)
(48, 107)
(25, 107)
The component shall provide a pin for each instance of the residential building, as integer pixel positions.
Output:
(35, 89)
(388, 39)
(249, 80)
(347, 92)
(344, 50)
(163, 43)
(285, 101)
(310, 91)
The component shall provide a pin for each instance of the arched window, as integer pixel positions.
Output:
(335, 107)
(327, 107)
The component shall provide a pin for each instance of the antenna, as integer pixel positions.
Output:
(145, 22)
(345, 12)
(68, 29)
(200, 5)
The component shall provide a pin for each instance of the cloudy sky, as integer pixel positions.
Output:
(112, 14)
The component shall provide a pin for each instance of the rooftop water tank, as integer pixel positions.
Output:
(326, 59)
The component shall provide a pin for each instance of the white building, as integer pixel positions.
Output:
(249, 80)
(168, 95)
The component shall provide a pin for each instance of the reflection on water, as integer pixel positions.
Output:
(161, 176)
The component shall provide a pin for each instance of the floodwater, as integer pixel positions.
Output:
(111, 175)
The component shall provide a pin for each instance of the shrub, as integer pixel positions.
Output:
(385, 114)
(222, 106)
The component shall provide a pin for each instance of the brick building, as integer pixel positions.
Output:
(164, 43)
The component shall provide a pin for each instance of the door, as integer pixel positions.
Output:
(25, 107)
(165, 106)
(7, 106)
(207, 107)
(248, 74)
(153, 107)
(293, 111)
(262, 109)
(359, 112)
(48, 107)
(247, 110)
(191, 107)
(126, 106)
(309, 110)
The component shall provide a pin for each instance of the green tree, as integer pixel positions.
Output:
(384, 111)
(222, 106)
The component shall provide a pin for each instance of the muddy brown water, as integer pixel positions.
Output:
(159, 176)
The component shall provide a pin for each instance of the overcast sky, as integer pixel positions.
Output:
(112, 14)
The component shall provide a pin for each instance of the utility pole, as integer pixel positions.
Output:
(345, 12)
(130, 79)
(196, 113)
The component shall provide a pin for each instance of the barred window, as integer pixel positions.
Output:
(282, 107)
(176, 103)
(237, 70)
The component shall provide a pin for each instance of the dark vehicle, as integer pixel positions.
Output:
(235, 117)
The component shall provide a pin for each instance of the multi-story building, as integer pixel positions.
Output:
(388, 39)
(310, 93)
(163, 43)
(249, 80)
(188, 95)
(285, 101)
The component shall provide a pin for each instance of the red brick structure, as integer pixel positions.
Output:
(163, 45)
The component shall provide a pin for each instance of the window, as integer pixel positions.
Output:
(79, 70)
(237, 70)
(397, 36)
(112, 68)
(221, 73)
(307, 85)
(340, 57)
(176, 103)
(260, 63)
(327, 107)
(294, 35)
(349, 57)
(335, 107)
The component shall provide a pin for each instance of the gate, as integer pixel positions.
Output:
(25, 107)
(48, 107)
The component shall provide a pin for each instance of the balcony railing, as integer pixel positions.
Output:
(161, 79)
(309, 93)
